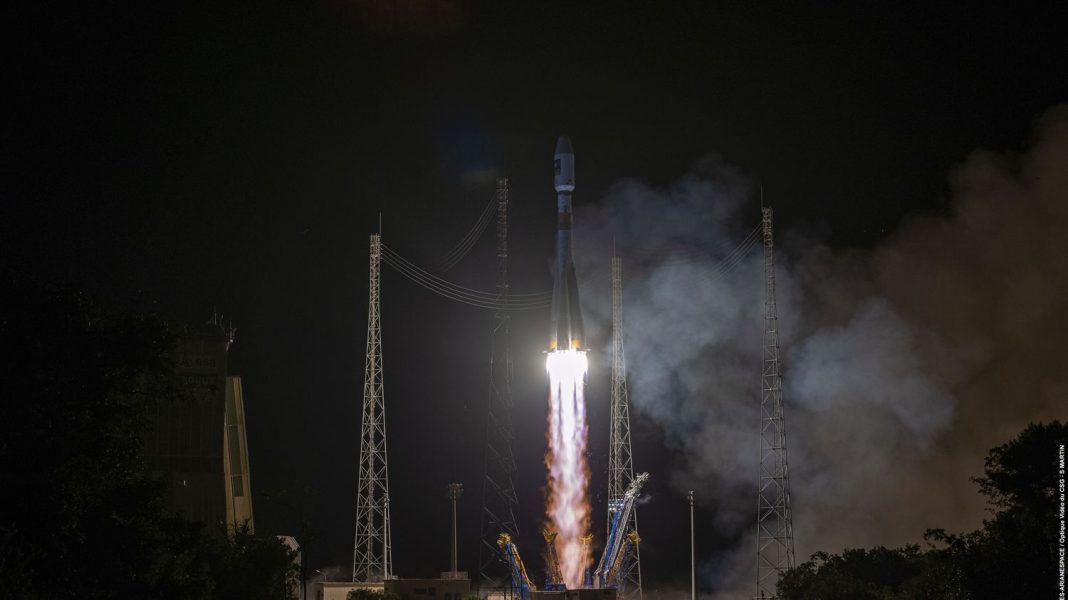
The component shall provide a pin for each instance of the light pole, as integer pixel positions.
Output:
(693, 555)
(454, 491)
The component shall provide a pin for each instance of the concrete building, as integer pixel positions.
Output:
(339, 590)
(294, 583)
(184, 444)
(196, 443)
(405, 589)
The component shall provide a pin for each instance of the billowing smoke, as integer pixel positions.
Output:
(903, 365)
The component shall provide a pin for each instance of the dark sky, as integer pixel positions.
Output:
(185, 156)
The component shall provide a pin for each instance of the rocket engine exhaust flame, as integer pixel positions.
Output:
(568, 507)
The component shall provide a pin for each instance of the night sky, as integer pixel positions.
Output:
(187, 157)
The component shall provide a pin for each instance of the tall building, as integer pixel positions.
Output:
(195, 443)
(235, 463)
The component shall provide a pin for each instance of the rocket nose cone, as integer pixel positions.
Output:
(563, 145)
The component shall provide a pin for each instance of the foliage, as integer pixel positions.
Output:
(876, 574)
(253, 567)
(79, 517)
(1011, 556)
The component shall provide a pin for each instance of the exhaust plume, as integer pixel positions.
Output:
(902, 365)
(568, 506)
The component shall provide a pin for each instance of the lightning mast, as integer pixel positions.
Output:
(775, 536)
(499, 500)
(620, 463)
(372, 556)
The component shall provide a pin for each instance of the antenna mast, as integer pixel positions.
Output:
(775, 536)
(372, 556)
(499, 500)
(620, 463)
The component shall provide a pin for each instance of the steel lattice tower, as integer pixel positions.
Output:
(499, 500)
(620, 462)
(775, 536)
(372, 558)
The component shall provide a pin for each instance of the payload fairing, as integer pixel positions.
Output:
(566, 320)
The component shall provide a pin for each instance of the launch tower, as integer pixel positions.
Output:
(775, 536)
(620, 464)
(499, 500)
(372, 556)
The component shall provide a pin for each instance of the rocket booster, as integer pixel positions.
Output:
(566, 320)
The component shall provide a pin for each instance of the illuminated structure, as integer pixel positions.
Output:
(775, 537)
(554, 581)
(520, 580)
(620, 547)
(235, 465)
(372, 555)
(620, 463)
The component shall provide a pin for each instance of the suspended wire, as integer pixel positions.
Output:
(737, 256)
(744, 246)
(687, 255)
(393, 254)
(697, 255)
(502, 303)
(458, 293)
(538, 300)
(726, 266)
(465, 244)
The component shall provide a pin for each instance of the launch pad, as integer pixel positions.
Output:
(605, 581)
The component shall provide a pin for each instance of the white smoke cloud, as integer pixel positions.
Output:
(903, 365)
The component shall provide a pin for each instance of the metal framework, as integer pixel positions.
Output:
(775, 536)
(372, 558)
(620, 462)
(619, 543)
(521, 582)
(499, 500)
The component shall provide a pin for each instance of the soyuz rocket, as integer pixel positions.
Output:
(566, 320)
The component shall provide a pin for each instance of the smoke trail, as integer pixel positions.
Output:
(568, 507)
(903, 364)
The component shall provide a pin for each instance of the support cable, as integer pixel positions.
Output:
(423, 273)
(684, 257)
(463, 247)
(460, 293)
(535, 300)
(736, 257)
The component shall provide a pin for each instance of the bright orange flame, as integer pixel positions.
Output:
(568, 508)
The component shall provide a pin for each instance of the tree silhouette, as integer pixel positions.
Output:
(1012, 556)
(79, 517)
